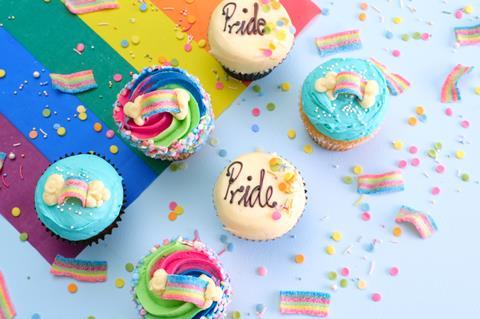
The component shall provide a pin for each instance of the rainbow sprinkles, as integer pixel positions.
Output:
(7, 311)
(74, 82)
(86, 6)
(339, 42)
(450, 92)
(310, 303)
(81, 270)
(468, 35)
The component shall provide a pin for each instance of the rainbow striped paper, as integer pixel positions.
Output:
(450, 92)
(396, 83)
(339, 42)
(81, 270)
(7, 311)
(85, 6)
(2, 159)
(305, 303)
(185, 288)
(74, 82)
(381, 183)
(424, 223)
(468, 35)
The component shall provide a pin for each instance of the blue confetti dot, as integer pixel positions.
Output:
(370, 247)
(255, 128)
(222, 153)
(422, 118)
(143, 7)
(259, 307)
(280, 23)
(365, 207)
(36, 316)
(325, 11)
(124, 43)
(56, 126)
(388, 34)
(224, 238)
(230, 247)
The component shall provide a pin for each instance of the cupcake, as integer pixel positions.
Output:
(181, 280)
(80, 198)
(165, 113)
(259, 196)
(343, 103)
(250, 37)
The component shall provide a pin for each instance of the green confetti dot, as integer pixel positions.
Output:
(91, 317)
(437, 146)
(465, 177)
(46, 112)
(23, 236)
(174, 62)
(256, 88)
(405, 37)
(271, 106)
(236, 315)
(343, 283)
(332, 275)
(416, 35)
(347, 179)
(432, 153)
(129, 267)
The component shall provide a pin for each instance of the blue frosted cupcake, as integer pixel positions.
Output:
(343, 103)
(80, 198)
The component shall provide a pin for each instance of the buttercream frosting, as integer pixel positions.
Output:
(250, 36)
(69, 217)
(355, 113)
(259, 196)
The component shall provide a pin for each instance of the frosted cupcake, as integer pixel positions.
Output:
(259, 196)
(181, 280)
(250, 37)
(80, 198)
(165, 113)
(343, 103)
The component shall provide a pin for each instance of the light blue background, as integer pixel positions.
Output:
(438, 277)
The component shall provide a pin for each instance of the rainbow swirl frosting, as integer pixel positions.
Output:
(164, 112)
(190, 259)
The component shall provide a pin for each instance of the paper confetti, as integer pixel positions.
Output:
(381, 183)
(450, 92)
(468, 35)
(396, 83)
(339, 42)
(305, 303)
(424, 223)
(85, 6)
(7, 311)
(74, 82)
(82, 270)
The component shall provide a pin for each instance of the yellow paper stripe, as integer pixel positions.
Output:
(157, 35)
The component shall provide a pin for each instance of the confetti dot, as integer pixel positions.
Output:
(255, 128)
(36, 74)
(477, 90)
(435, 190)
(109, 133)
(262, 271)
(393, 271)
(364, 6)
(412, 121)
(23, 236)
(413, 150)
(33, 134)
(255, 111)
(143, 7)
(82, 116)
(222, 153)
(271, 106)
(172, 216)
(276, 215)
(119, 283)
(256, 88)
(425, 36)
(36, 316)
(388, 34)
(174, 62)
(3, 73)
(361, 284)
(365, 207)
(357, 170)
(260, 308)
(230, 247)
(432, 153)
(405, 37)
(135, 39)
(366, 216)
(336, 236)
(376, 297)
(459, 154)
(343, 283)
(458, 14)
(397, 231)
(415, 162)
(332, 275)
(347, 180)
(417, 35)
(398, 145)
(308, 149)
(330, 250)
(448, 111)
(16, 212)
(46, 112)
(124, 43)
(468, 9)
(402, 164)
(285, 86)
(345, 271)
(80, 47)
(61, 131)
(91, 317)
(236, 315)
(419, 110)
(224, 238)
(291, 134)
(465, 124)
(117, 77)
(397, 20)
(97, 127)
(362, 16)
(72, 288)
(179, 210)
(81, 109)
(172, 205)
(299, 259)
(129, 267)
(465, 177)
(437, 146)
(396, 53)
(113, 149)
(440, 168)
(202, 43)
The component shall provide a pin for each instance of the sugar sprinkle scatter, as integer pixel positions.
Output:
(81, 270)
(7, 310)
(424, 223)
(450, 92)
(381, 183)
(75, 82)
(339, 42)
(86, 6)
(305, 303)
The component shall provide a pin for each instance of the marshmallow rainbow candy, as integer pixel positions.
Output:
(424, 223)
(305, 303)
(450, 92)
(381, 183)
(74, 82)
(85, 6)
(468, 35)
(82, 270)
(339, 42)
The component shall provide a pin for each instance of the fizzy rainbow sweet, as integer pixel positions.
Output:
(396, 83)
(468, 35)
(82, 270)
(381, 183)
(305, 303)
(75, 82)
(424, 223)
(85, 6)
(339, 42)
(7, 310)
(450, 92)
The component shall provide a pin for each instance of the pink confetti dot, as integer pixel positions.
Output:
(345, 271)
(276, 215)
(435, 190)
(458, 14)
(448, 111)
(267, 52)
(425, 36)
(255, 111)
(415, 162)
(187, 47)
(172, 205)
(402, 164)
(366, 216)
(166, 241)
(413, 149)
(80, 47)
(376, 297)
(465, 124)
(219, 85)
(117, 77)
(396, 53)
(394, 271)
(109, 133)
(262, 271)
(440, 169)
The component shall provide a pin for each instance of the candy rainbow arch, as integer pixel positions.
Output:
(424, 223)
(450, 92)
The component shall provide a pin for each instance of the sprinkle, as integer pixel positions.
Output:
(332, 275)
(271, 106)
(398, 145)
(308, 149)
(113, 149)
(256, 88)
(299, 259)
(393, 271)
(285, 86)
(291, 134)
(396, 83)
(330, 250)
(424, 223)
(72, 288)
(222, 153)
(7, 310)
(255, 128)
(236, 315)
(16, 211)
(465, 177)
(255, 111)
(415, 162)
(339, 42)
(109, 133)
(361, 284)
(305, 303)
(82, 270)
(345, 271)
(397, 20)
(402, 164)
(450, 92)
(46, 112)
(119, 283)
(366, 216)
(262, 271)
(33, 134)
(357, 170)
(82, 6)
(23, 236)
(362, 16)
(465, 124)
(129, 267)
(397, 231)
(97, 127)
(172, 216)
(3, 73)
(74, 82)
(381, 183)
(336, 236)
(343, 283)
(459, 154)
(82, 116)
(440, 168)
(468, 35)
(372, 266)
(347, 180)
(376, 297)
(435, 191)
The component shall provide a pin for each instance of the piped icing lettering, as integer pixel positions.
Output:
(253, 26)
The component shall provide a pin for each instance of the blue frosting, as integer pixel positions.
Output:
(71, 221)
(343, 118)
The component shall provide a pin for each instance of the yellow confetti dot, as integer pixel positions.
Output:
(330, 250)
(119, 283)
(275, 5)
(397, 231)
(459, 154)
(477, 90)
(16, 211)
(337, 236)
(97, 127)
(420, 110)
(285, 86)
(308, 149)
(180, 35)
(33, 134)
(361, 284)
(113, 149)
(202, 43)
(135, 39)
(81, 109)
(3, 73)
(412, 121)
(61, 131)
(179, 210)
(191, 19)
(398, 145)
(397, 20)
(468, 9)
(299, 259)
(281, 35)
(82, 116)
(292, 134)
(357, 170)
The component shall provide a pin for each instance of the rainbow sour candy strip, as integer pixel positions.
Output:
(381, 183)
(185, 288)
(7, 311)
(424, 223)
(85, 6)
(349, 83)
(159, 101)
(74, 82)
(396, 83)
(305, 303)
(82, 270)
(450, 92)
(339, 42)
(468, 35)
(2, 159)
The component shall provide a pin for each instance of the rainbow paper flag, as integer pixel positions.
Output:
(7, 311)
(381, 183)
(339, 42)
(396, 83)
(81, 270)
(450, 92)
(424, 223)
(305, 303)
(185, 288)
(74, 82)
(468, 35)
(85, 6)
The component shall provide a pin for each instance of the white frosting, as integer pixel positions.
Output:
(244, 53)
(256, 222)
